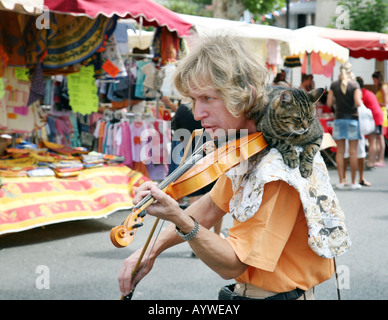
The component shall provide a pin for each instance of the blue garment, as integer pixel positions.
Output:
(346, 129)
(140, 79)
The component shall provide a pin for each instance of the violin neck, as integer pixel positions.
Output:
(173, 176)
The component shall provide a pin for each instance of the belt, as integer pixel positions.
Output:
(227, 293)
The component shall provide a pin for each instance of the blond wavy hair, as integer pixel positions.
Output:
(346, 74)
(225, 64)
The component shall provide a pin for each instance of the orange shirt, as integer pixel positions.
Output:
(274, 241)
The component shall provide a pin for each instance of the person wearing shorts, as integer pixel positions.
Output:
(347, 96)
(361, 155)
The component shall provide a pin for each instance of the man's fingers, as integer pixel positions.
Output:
(143, 191)
(145, 186)
(160, 196)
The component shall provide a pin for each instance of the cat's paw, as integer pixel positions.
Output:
(305, 170)
(291, 160)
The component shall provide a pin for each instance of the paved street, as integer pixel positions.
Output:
(80, 262)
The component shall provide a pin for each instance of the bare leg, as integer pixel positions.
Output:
(339, 158)
(353, 159)
(372, 139)
(381, 150)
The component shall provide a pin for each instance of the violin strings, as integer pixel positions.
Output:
(189, 162)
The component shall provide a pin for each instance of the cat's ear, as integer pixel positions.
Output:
(315, 94)
(285, 98)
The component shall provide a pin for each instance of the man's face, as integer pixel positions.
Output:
(210, 109)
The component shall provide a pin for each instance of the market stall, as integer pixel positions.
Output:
(273, 44)
(318, 55)
(361, 44)
(266, 41)
(28, 202)
(65, 99)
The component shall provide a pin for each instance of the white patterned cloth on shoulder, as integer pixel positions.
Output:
(328, 236)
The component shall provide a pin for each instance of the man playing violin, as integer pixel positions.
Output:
(267, 251)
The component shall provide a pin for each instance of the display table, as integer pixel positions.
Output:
(29, 202)
(329, 147)
(326, 121)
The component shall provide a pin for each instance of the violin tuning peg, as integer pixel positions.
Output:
(137, 225)
(142, 214)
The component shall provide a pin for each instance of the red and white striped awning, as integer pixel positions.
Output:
(148, 12)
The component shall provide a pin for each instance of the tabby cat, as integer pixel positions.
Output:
(288, 120)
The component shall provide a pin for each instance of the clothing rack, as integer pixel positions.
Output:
(144, 56)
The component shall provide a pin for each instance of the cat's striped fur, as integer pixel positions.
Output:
(289, 119)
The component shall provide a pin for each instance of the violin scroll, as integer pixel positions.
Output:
(122, 235)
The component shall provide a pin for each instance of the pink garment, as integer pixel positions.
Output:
(125, 149)
(64, 129)
(312, 64)
(139, 139)
(160, 140)
(371, 102)
(273, 51)
(94, 117)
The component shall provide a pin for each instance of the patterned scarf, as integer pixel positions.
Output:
(328, 236)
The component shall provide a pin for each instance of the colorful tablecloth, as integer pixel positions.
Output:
(29, 202)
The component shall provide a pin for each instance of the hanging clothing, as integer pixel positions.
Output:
(166, 45)
(312, 64)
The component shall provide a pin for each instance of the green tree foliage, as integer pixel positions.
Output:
(197, 8)
(263, 6)
(201, 7)
(365, 15)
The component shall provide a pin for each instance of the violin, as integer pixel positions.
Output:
(193, 174)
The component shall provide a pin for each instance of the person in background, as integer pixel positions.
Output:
(361, 155)
(347, 95)
(280, 80)
(382, 97)
(168, 103)
(307, 82)
(371, 102)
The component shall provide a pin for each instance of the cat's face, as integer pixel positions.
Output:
(295, 110)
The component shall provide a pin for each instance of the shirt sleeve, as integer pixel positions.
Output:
(260, 240)
(222, 192)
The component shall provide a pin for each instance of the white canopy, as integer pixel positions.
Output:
(305, 40)
(140, 39)
(25, 6)
(256, 35)
(290, 41)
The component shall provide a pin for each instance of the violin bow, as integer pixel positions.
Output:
(148, 200)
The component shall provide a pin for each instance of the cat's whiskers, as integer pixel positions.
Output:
(291, 133)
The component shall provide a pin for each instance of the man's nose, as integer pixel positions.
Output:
(200, 111)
